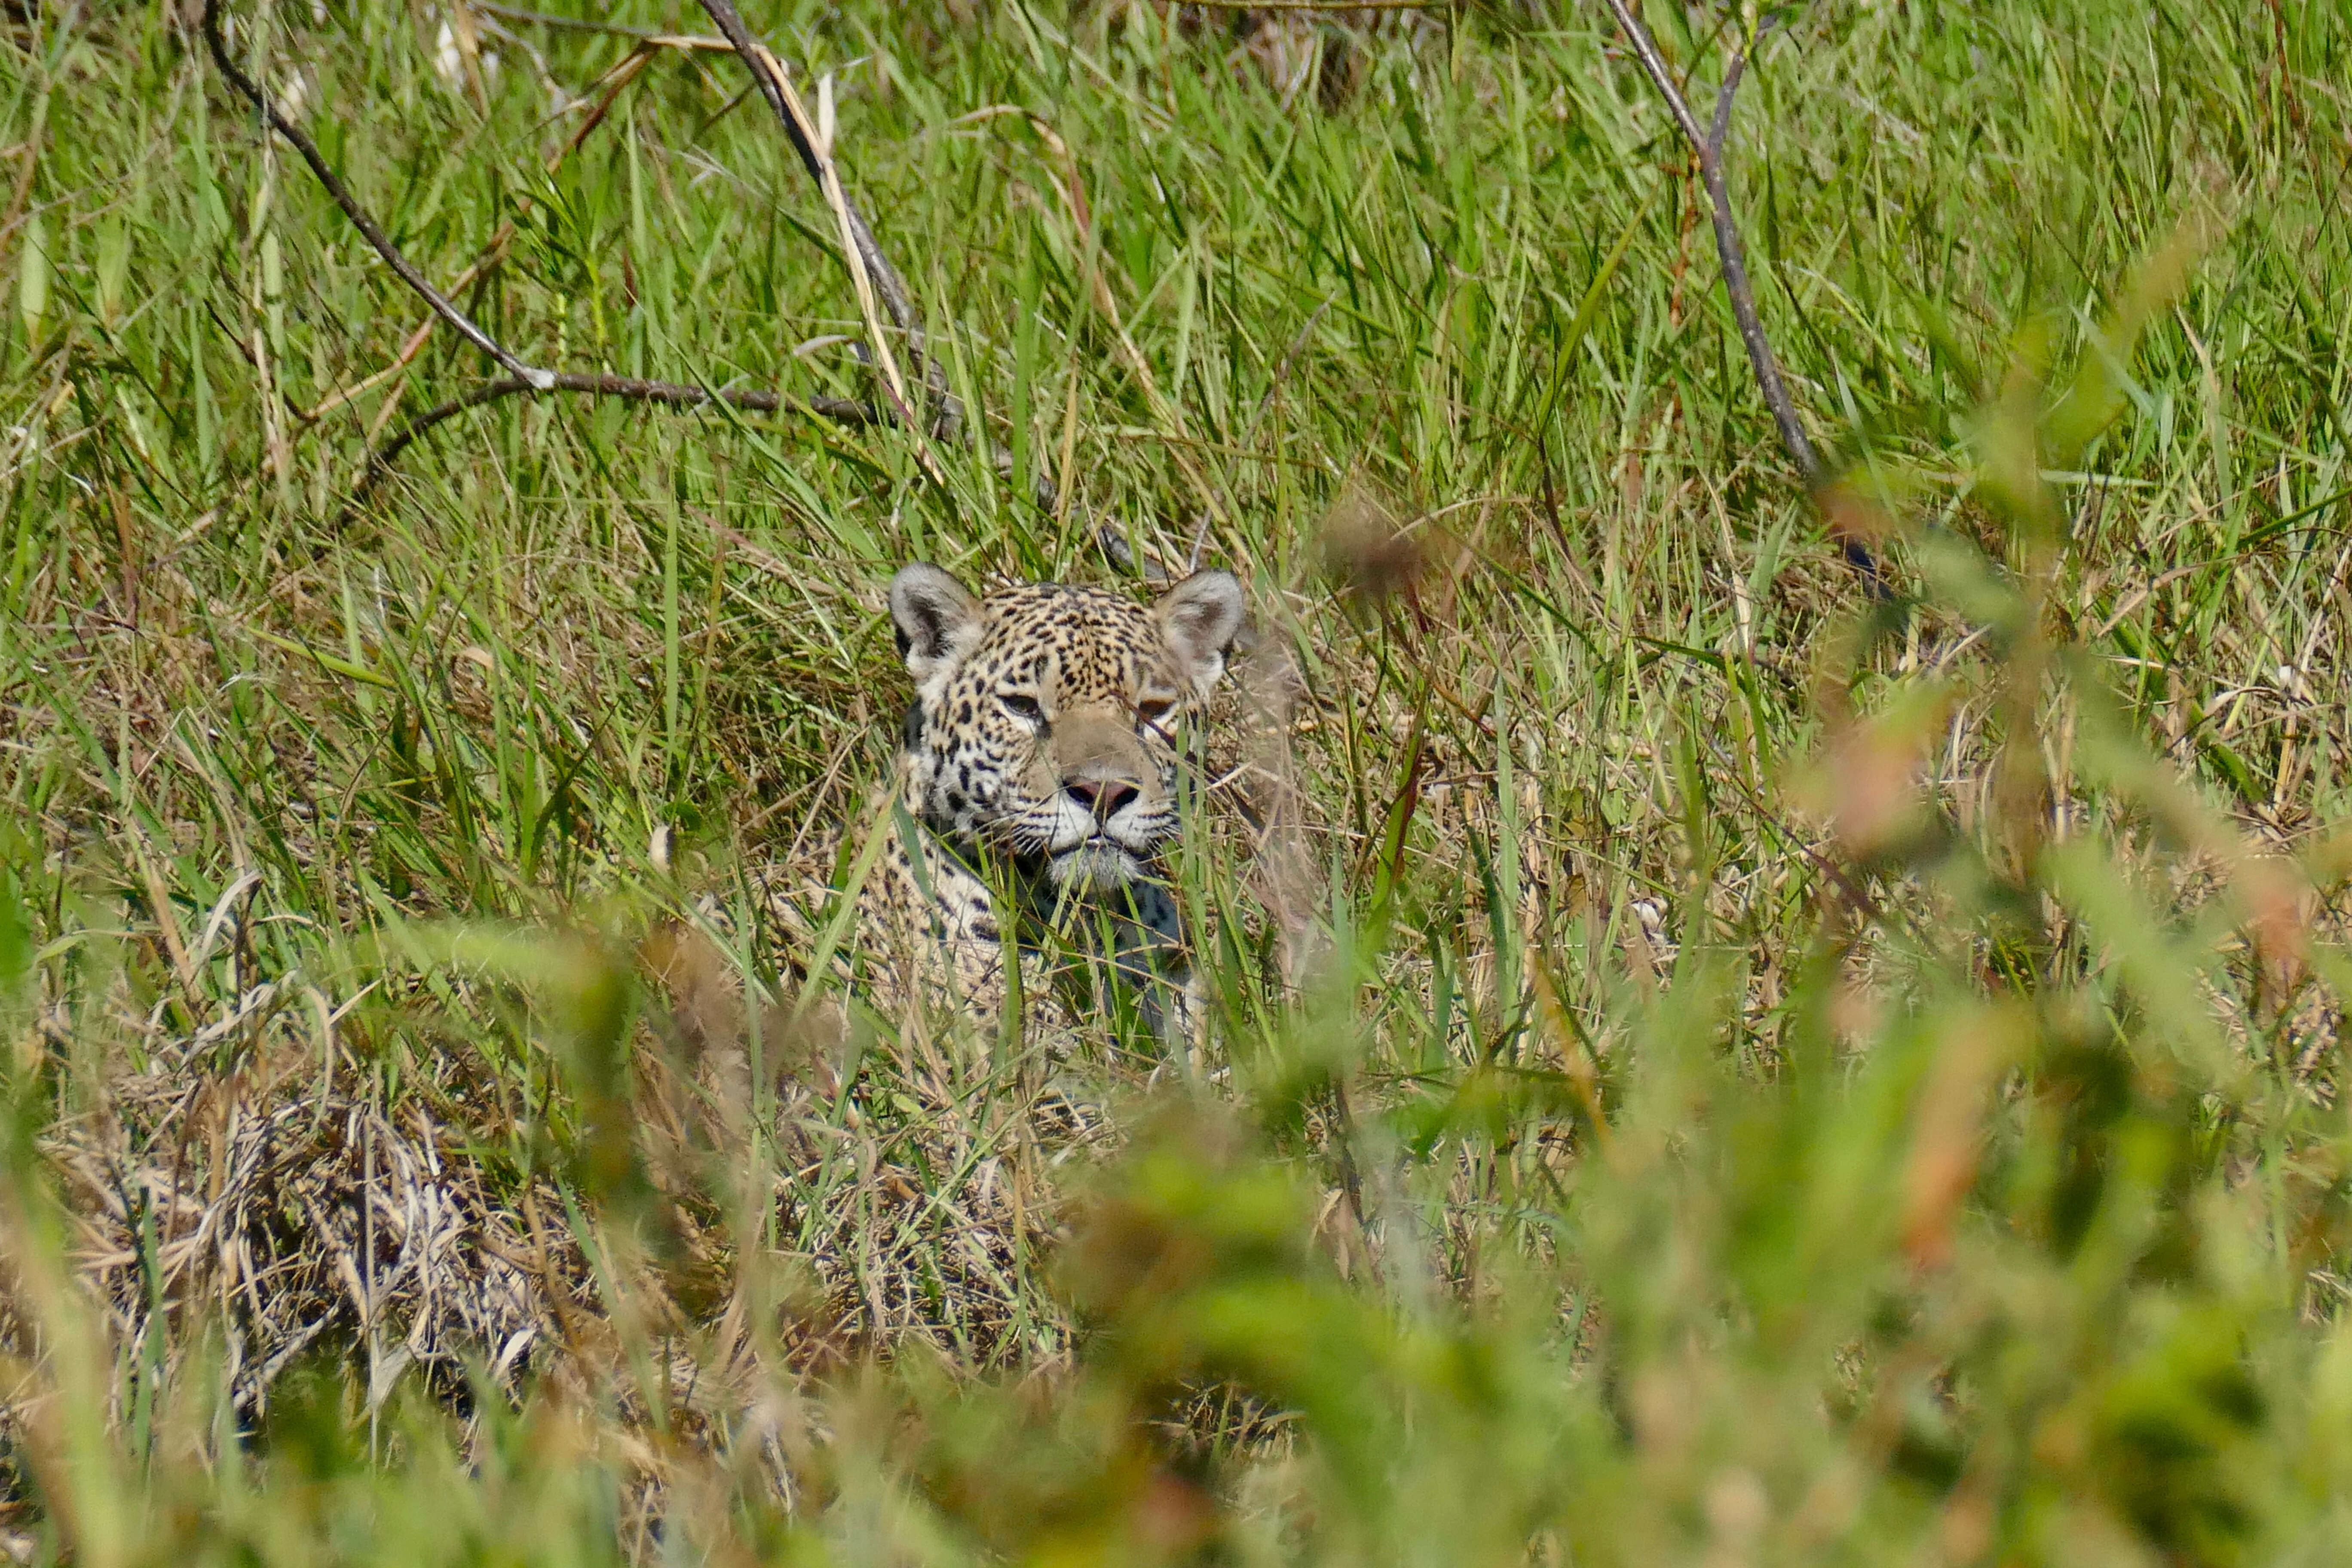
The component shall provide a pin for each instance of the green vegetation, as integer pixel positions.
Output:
(1710, 1064)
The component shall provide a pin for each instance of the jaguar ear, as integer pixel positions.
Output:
(937, 619)
(1200, 618)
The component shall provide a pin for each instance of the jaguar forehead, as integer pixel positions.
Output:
(1088, 644)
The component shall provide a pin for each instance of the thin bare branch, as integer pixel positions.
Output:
(1707, 146)
(1654, 63)
(613, 81)
(540, 380)
(840, 410)
(1707, 149)
(524, 377)
(816, 132)
(885, 281)
(1722, 97)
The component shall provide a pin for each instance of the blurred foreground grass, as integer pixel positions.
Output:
(1708, 1065)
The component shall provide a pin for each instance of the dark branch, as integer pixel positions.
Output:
(1707, 149)
(840, 410)
(887, 281)
(1743, 295)
(540, 380)
(1707, 146)
(888, 284)
(1656, 64)
(526, 378)
(1722, 97)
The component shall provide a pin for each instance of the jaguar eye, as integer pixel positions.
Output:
(1022, 706)
(1154, 712)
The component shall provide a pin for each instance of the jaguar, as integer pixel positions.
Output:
(1036, 792)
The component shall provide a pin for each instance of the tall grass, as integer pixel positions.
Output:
(1708, 1064)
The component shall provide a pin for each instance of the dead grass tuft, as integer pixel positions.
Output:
(299, 1218)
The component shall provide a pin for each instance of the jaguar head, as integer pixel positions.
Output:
(1048, 719)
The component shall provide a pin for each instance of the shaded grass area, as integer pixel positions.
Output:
(1705, 1064)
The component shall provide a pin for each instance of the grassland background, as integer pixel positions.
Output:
(1710, 1064)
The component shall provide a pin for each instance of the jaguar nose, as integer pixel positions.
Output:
(1104, 797)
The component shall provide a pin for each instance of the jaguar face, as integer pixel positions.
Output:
(1046, 718)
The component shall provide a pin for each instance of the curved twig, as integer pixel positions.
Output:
(539, 380)
(840, 410)
(524, 377)
(1707, 146)
(1707, 149)
(1722, 127)
(1734, 256)
(888, 284)
(887, 281)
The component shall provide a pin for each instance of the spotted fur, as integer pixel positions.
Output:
(1039, 757)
